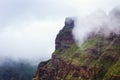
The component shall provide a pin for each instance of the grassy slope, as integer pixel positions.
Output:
(108, 59)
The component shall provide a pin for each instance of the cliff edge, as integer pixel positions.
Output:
(98, 58)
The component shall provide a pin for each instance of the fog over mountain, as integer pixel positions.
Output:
(97, 23)
(28, 27)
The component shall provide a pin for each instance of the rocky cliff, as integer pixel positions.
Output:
(98, 58)
(65, 39)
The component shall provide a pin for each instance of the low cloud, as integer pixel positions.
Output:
(97, 23)
(28, 28)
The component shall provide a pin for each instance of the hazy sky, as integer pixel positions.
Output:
(28, 27)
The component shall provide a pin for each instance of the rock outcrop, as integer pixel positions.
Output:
(97, 59)
(65, 38)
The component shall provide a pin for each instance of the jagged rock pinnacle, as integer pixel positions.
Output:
(65, 38)
(69, 22)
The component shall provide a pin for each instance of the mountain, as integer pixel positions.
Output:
(98, 58)
(16, 70)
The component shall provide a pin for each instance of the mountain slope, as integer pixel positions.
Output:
(98, 58)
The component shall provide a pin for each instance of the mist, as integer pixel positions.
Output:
(97, 23)
(27, 42)
(28, 28)
(22, 70)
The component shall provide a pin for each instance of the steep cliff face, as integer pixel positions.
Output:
(65, 38)
(98, 58)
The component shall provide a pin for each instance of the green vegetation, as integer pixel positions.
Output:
(12, 70)
(113, 70)
(106, 57)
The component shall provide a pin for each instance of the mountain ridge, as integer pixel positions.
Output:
(97, 58)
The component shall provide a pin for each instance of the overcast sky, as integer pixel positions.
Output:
(28, 27)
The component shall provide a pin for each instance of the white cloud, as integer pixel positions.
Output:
(33, 41)
(28, 27)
